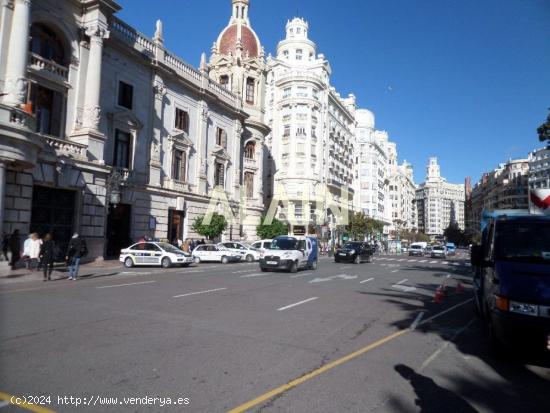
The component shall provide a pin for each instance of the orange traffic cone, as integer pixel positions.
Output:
(459, 288)
(438, 297)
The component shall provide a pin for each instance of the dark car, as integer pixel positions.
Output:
(512, 280)
(354, 251)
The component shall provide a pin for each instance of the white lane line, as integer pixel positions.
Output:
(395, 270)
(417, 320)
(445, 262)
(135, 272)
(242, 271)
(301, 275)
(402, 259)
(295, 304)
(253, 275)
(366, 281)
(446, 311)
(345, 267)
(413, 260)
(433, 262)
(401, 282)
(423, 261)
(199, 292)
(125, 285)
(391, 259)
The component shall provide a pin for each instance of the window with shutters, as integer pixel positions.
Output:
(219, 175)
(221, 138)
(182, 120)
(179, 166)
(250, 90)
(249, 184)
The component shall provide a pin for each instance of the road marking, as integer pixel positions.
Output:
(306, 377)
(444, 346)
(423, 261)
(242, 271)
(446, 311)
(413, 260)
(345, 267)
(301, 275)
(395, 270)
(445, 262)
(200, 292)
(402, 259)
(417, 320)
(135, 273)
(253, 275)
(433, 262)
(295, 304)
(391, 259)
(22, 404)
(402, 282)
(334, 277)
(125, 285)
(366, 281)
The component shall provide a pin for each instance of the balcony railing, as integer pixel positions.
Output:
(250, 163)
(67, 148)
(40, 64)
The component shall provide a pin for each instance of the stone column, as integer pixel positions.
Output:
(157, 146)
(202, 149)
(16, 81)
(92, 110)
(2, 195)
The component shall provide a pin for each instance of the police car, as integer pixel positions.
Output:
(290, 254)
(154, 253)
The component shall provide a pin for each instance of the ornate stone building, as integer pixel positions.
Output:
(105, 132)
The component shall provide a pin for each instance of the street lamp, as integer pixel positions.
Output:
(115, 182)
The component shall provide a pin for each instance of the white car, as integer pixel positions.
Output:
(262, 245)
(211, 252)
(154, 253)
(248, 253)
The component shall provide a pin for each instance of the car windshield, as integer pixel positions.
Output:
(284, 244)
(169, 247)
(439, 249)
(352, 245)
(523, 242)
(416, 247)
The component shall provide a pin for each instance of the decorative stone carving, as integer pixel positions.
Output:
(16, 87)
(204, 113)
(97, 32)
(155, 151)
(92, 116)
(159, 90)
(202, 170)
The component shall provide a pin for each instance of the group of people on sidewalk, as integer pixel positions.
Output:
(42, 252)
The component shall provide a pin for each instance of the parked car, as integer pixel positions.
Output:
(211, 252)
(354, 251)
(416, 250)
(290, 254)
(154, 253)
(262, 245)
(512, 280)
(247, 252)
(451, 248)
(438, 251)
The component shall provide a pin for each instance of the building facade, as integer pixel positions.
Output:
(539, 168)
(438, 202)
(105, 132)
(402, 198)
(311, 147)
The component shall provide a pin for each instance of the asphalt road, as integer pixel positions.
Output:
(344, 338)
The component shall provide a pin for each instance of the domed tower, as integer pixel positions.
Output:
(237, 63)
(296, 47)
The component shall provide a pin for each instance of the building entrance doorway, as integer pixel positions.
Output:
(53, 213)
(175, 226)
(118, 229)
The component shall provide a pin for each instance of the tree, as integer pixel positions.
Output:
(217, 225)
(273, 230)
(454, 234)
(362, 225)
(544, 130)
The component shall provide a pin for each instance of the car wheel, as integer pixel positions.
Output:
(357, 259)
(225, 260)
(166, 263)
(249, 258)
(336, 260)
(196, 260)
(293, 267)
(128, 262)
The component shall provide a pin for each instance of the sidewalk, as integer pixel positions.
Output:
(60, 271)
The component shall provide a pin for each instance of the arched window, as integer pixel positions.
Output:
(249, 150)
(46, 43)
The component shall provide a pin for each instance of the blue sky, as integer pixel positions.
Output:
(467, 81)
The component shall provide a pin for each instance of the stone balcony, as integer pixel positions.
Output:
(19, 145)
(177, 186)
(48, 68)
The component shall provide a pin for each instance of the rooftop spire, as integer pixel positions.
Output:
(240, 11)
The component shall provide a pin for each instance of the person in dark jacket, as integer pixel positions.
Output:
(15, 248)
(47, 256)
(5, 245)
(75, 251)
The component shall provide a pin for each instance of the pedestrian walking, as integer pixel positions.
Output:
(75, 251)
(5, 245)
(34, 251)
(27, 251)
(48, 251)
(15, 248)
